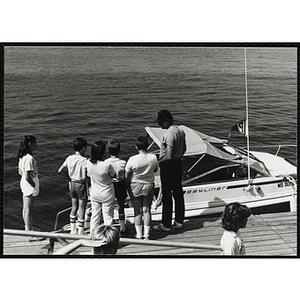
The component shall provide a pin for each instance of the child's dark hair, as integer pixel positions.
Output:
(141, 142)
(79, 143)
(233, 214)
(25, 143)
(97, 151)
(114, 147)
(108, 234)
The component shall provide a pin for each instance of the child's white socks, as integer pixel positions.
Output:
(147, 231)
(80, 226)
(139, 231)
(73, 224)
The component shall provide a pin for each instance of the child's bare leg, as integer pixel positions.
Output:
(147, 201)
(74, 206)
(73, 215)
(27, 213)
(138, 211)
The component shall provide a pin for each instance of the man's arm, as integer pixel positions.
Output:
(168, 155)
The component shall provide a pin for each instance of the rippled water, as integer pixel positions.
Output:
(59, 93)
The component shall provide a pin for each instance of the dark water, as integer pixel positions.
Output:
(59, 93)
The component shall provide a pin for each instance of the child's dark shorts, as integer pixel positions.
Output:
(78, 190)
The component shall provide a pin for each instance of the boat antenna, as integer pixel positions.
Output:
(247, 118)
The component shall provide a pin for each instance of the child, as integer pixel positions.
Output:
(29, 181)
(110, 236)
(235, 216)
(102, 192)
(74, 168)
(118, 182)
(105, 241)
(139, 176)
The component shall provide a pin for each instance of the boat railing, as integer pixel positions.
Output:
(58, 214)
(85, 240)
(279, 147)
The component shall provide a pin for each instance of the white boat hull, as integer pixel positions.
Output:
(208, 199)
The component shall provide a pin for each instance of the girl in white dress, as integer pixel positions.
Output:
(29, 178)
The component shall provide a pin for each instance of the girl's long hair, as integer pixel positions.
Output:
(97, 151)
(25, 145)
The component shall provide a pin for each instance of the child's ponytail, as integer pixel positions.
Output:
(97, 151)
(25, 143)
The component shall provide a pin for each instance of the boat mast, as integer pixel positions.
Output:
(247, 118)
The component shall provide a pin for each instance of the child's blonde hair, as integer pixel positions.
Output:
(108, 234)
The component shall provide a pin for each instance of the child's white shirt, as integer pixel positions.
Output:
(119, 167)
(232, 243)
(101, 174)
(142, 167)
(76, 165)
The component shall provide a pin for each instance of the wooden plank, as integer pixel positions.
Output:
(273, 252)
(265, 235)
(154, 251)
(254, 232)
(20, 246)
(271, 248)
(205, 230)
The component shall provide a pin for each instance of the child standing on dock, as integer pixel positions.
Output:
(118, 182)
(74, 167)
(139, 176)
(235, 216)
(29, 178)
(102, 192)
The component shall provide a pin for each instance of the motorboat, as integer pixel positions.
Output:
(217, 173)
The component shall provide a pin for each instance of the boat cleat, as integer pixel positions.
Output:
(253, 190)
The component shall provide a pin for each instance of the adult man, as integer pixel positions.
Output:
(173, 147)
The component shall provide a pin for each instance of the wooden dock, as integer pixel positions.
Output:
(272, 234)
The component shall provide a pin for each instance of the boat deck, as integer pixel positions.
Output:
(272, 234)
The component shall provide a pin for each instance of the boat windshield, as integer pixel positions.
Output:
(211, 169)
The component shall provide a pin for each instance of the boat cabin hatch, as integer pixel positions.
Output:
(210, 159)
